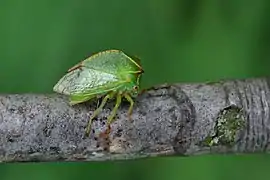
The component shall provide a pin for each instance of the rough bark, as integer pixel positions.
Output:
(179, 119)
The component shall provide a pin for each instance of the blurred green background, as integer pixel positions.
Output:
(176, 40)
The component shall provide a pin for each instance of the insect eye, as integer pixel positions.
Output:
(135, 87)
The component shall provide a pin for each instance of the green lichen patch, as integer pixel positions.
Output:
(229, 122)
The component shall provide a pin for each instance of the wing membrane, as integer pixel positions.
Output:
(84, 81)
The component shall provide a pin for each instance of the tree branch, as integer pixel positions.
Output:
(223, 117)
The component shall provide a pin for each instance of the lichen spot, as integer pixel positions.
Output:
(230, 121)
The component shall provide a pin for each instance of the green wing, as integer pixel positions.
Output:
(97, 75)
(112, 62)
(87, 82)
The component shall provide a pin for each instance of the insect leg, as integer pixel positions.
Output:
(117, 104)
(97, 111)
(130, 100)
(98, 102)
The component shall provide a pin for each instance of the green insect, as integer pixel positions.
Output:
(108, 74)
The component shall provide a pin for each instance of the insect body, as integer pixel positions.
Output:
(108, 74)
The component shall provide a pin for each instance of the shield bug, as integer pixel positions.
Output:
(107, 75)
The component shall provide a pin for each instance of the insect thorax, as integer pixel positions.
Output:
(131, 86)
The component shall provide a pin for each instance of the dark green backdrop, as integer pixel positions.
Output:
(177, 41)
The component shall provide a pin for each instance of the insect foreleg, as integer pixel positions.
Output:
(97, 111)
(130, 100)
(117, 104)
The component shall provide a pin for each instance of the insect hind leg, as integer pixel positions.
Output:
(97, 111)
